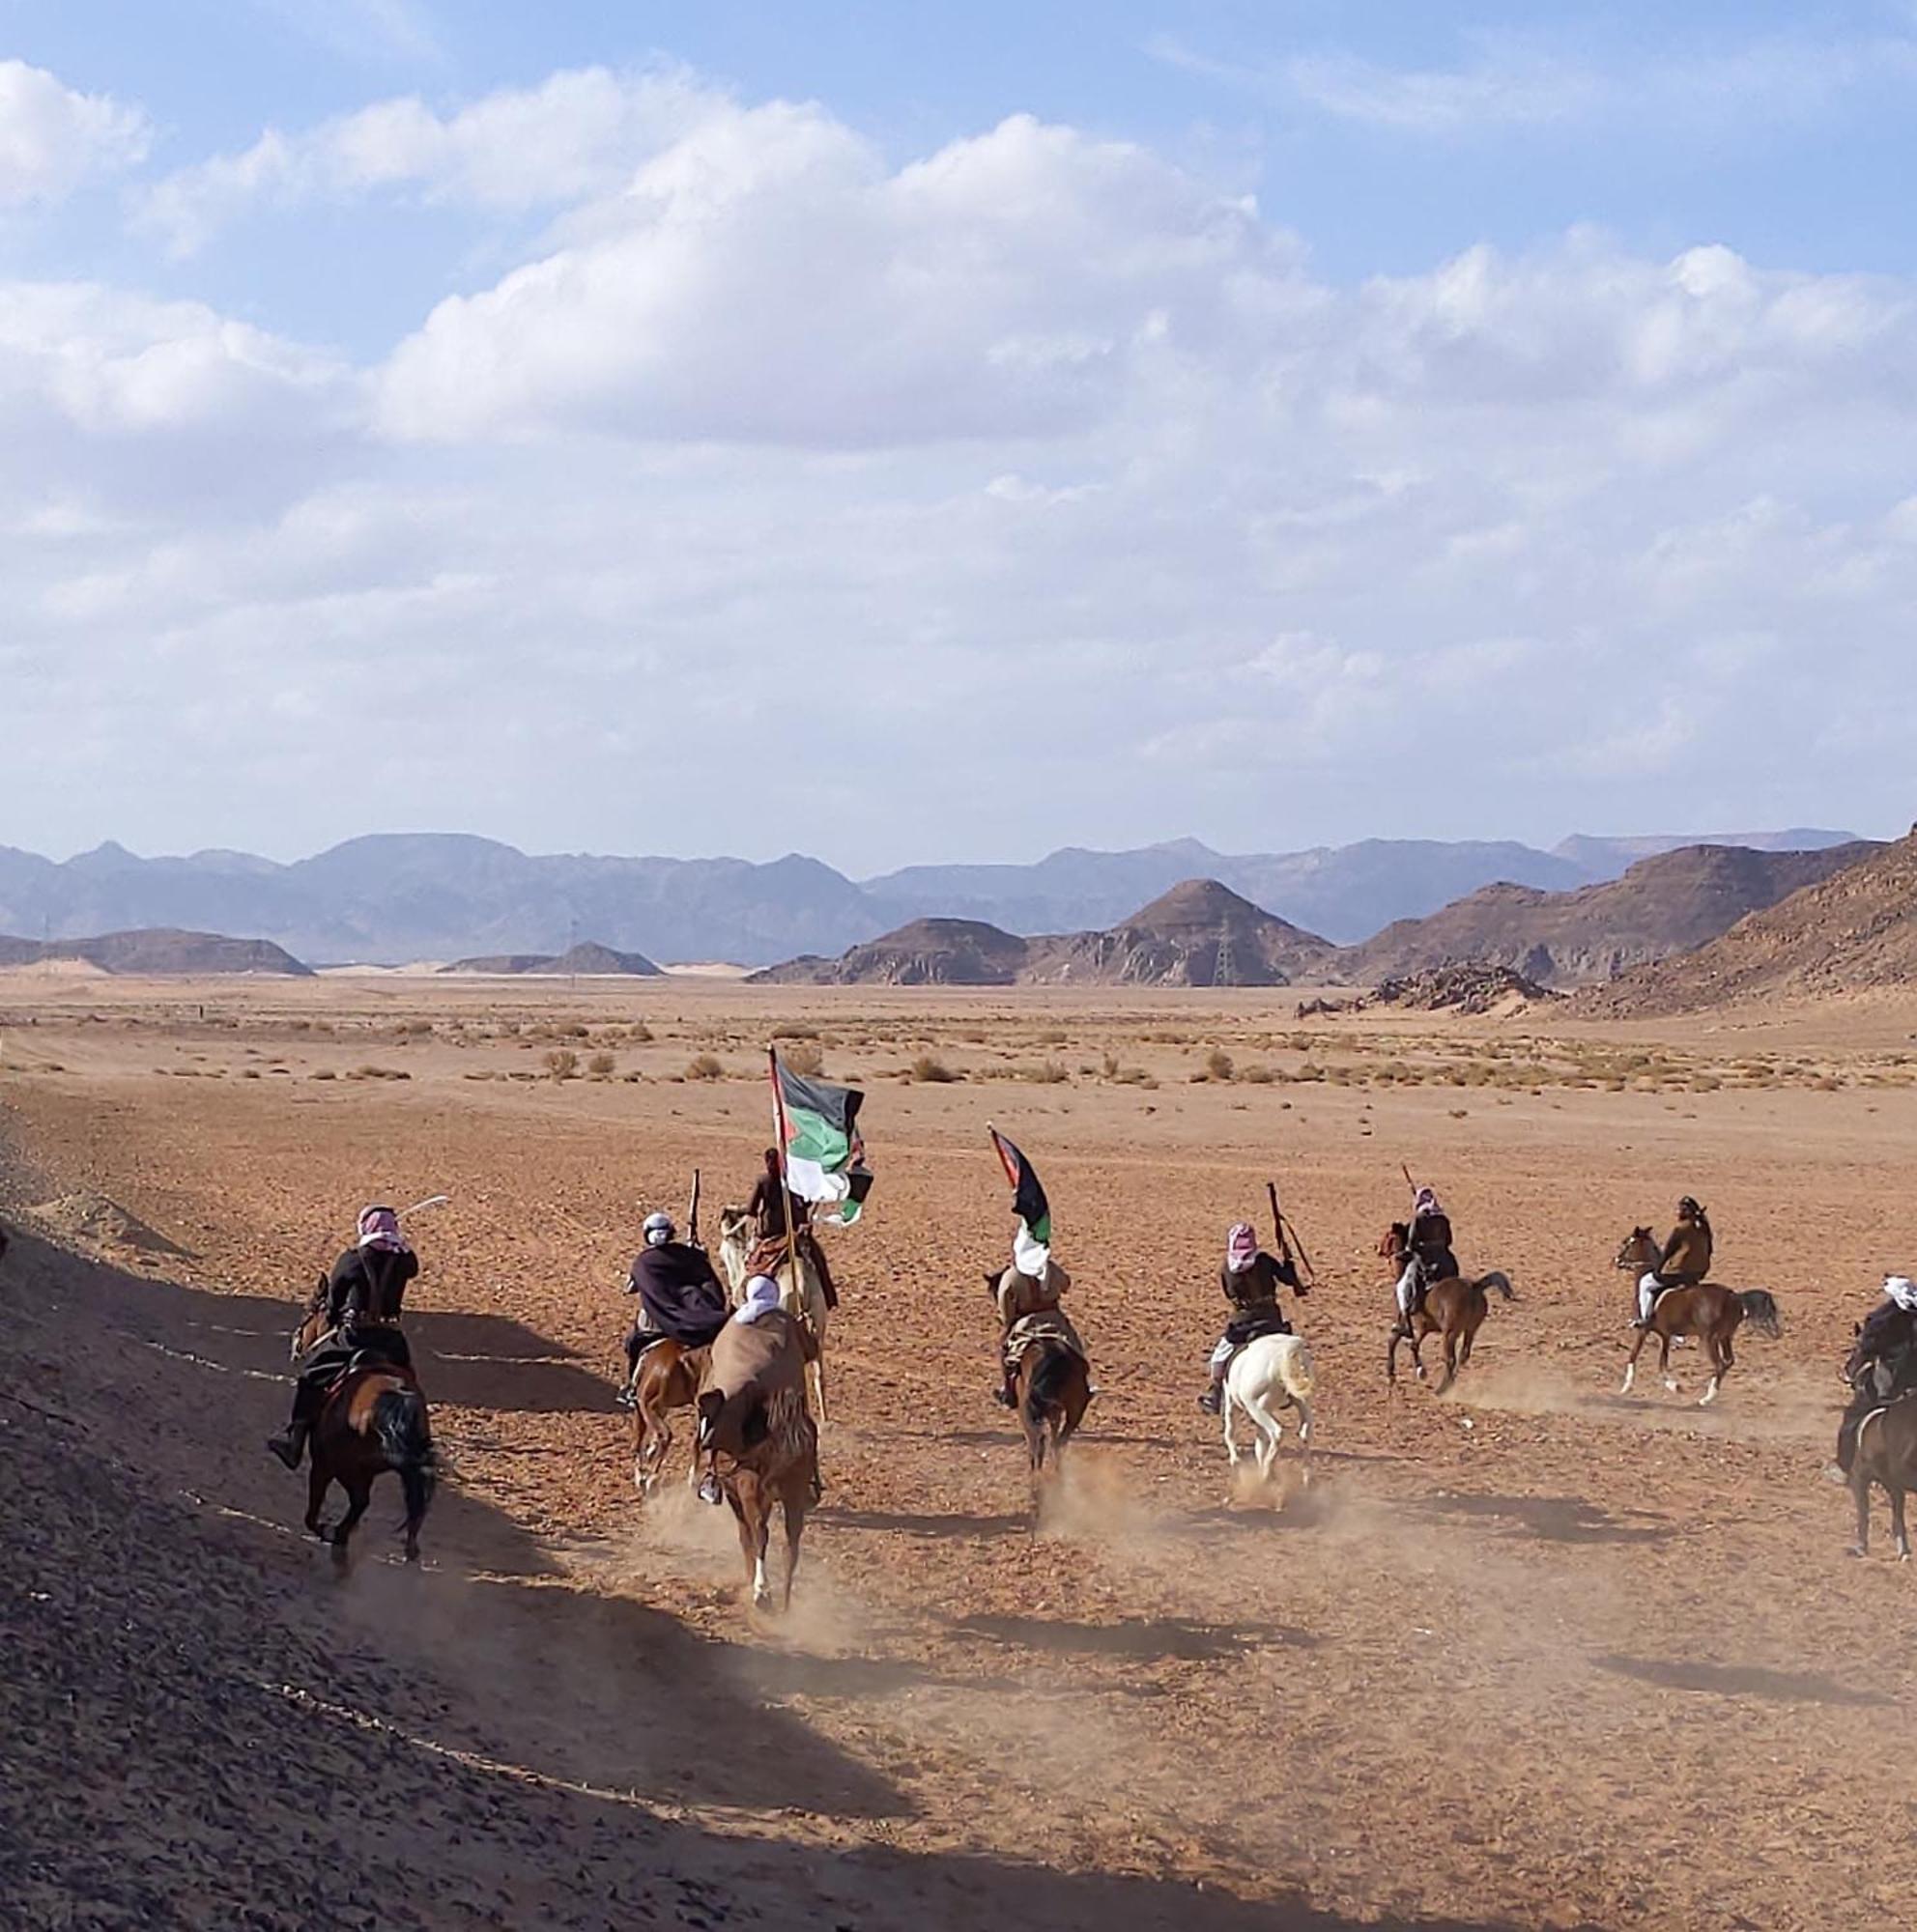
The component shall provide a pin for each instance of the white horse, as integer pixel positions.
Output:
(801, 1296)
(1265, 1377)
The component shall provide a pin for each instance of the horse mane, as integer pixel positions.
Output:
(1394, 1240)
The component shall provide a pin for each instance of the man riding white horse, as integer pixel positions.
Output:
(1251, 1279)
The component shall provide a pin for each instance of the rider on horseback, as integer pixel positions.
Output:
(1028, 1308)
(679, 1296)
(1251, 1279)
(769, 1205)
(1426, 1257)
(759, 1350)
(1685, 1261)
(362, 1298)
(1884, 1363)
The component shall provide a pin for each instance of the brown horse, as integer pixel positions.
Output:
(374, 1421)
(668, 1378)
(1886, 1455)
(1453, 1308)
(1709, 1313)
(1052, 1385)
(770, 1463)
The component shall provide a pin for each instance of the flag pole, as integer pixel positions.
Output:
(784, 1176)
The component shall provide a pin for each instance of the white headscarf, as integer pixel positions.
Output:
(1903, 1290)
(761, 1297)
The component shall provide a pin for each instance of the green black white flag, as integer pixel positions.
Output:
(1031, 1246)
(818, 1136)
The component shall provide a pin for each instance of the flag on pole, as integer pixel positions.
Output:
(819, 1135)
(1031, 1246)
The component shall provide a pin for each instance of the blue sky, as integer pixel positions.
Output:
(1073, 423)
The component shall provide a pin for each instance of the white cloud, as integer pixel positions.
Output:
(781, 443)
(1525, 83)
(578, 134)
(54, 140)
(768, 278)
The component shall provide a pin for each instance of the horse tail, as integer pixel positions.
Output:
(1499, 1280)
(399, 1422)
(1760, 1308)
(1295, 1370)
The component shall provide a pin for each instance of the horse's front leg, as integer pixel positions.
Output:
(1860, 1492)
(1898, 1531)
(1664, 1363)
(1631, 1363)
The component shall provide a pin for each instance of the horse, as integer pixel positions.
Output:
(1052, 1388)
(1268, 1376)
(777, 1468)
(668, 1378)
(374, 1421)
(800, 1292)
(1454, 1308)
(1711, 1313)
(1886, 1455)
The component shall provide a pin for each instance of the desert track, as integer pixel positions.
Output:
(1533, 1655)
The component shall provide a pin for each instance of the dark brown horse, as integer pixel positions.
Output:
(1709, 1313)
(1053, 1384)
(1886, 1455)
(1453, 1308)
(668, 1378)
(373, 1422)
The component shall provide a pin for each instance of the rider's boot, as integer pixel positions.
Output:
(289, 1444)
(1212, 1400)
(1006, 1394)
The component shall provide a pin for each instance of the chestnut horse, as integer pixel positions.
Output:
(374, 1421)
(1711, 1313)
(668, 1378)
(1453, 1308)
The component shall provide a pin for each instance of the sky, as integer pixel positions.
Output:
(952, 432)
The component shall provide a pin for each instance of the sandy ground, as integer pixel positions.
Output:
(1531, 1654)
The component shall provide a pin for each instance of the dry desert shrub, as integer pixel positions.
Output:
(706, 1067)
(639, 1032)
(928, 1070)
(563, 1063)
(601, 1064)
(803, 1057)
(1046, 1073)
(324, 1073)
(791, 1032)
(1219, 1065)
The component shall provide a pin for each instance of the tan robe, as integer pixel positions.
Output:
(753, 1362)
(1028, 1309)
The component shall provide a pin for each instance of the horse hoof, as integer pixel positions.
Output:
(1856, 1550)
(1671, 1383)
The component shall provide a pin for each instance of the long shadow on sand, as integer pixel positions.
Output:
(1549, 1519)
(1735, 1679)
(1145, 1639)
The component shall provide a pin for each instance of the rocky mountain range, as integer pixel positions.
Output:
(156, 950)
(393, 897)
(1200, 933)
(1664, 905)
(1851, 932)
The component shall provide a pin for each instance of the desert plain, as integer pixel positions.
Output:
(1528, 1654)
